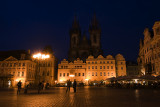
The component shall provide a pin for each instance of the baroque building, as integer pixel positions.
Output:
(149, 51)
(94, 70)
(80, 46)
(16, 66)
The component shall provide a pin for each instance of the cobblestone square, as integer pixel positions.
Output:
(85, 97)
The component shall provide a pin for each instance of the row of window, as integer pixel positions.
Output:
(89, 74)
(151, 58)
(18, 74)
(65, 67)
(101, 74)
(67, 74)
(46, 65)
(45, 73)
(149, 48)
(101, 62)
(101, 67)
(11, 64)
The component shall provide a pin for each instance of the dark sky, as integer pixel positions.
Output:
(32, 24)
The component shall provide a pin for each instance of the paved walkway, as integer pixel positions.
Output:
(85, 97)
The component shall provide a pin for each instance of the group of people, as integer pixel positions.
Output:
(41, 86)
(69, 85)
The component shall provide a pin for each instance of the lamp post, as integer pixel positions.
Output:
(39, 57)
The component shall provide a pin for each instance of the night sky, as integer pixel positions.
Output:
(26, 24)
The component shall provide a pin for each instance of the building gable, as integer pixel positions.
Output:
(11, 58)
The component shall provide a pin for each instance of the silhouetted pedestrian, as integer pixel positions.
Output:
(68, 85)
(19, 87)
(74, 86)
(40, 86)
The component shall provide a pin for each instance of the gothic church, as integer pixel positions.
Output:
(80, 46)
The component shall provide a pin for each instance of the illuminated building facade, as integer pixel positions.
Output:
(149, 51)
(46, 69)
(15, 68)
(93, 70)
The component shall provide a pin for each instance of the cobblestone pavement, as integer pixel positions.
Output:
(85, 97)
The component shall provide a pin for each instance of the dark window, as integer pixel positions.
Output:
(60, 74)
(83, 74)
(48, 73)
(22, 74)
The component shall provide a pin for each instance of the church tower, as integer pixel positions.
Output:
(75, 35)
(95, 37)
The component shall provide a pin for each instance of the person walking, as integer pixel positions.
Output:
(74, 86)
(19, 87)
(39, 87)
(68, 85)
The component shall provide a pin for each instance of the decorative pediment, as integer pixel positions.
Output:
(11, 58)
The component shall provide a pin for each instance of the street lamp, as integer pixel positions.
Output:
(40, 57)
